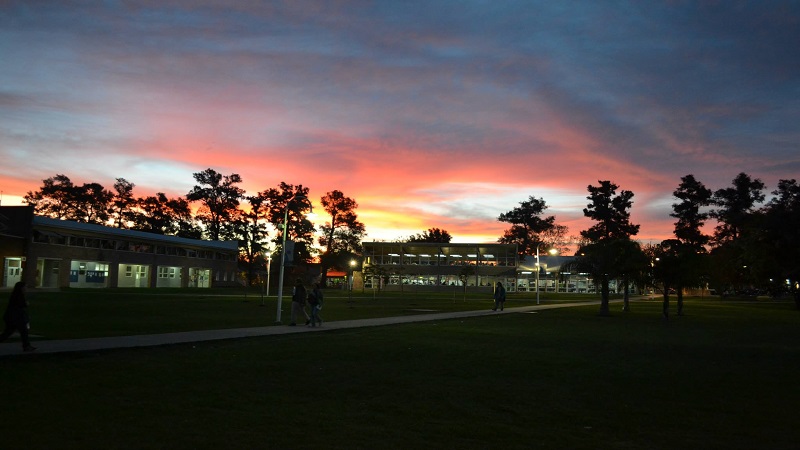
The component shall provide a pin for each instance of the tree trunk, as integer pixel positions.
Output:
(323, 278)
(604, 310)
(626, 303)
(251, 274)
(324, 266)
(665, 305)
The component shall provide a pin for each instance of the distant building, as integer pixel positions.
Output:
(50, 253)
(423, 265)
(551, 276)
(431, 266)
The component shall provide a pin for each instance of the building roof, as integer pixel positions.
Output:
(550, 263)
(442, 247)
(56, 225)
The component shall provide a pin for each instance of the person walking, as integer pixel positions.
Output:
(16, 317)
(299, 302)
(315, 300)
(499, 296)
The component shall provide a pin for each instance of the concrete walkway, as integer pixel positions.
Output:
(151, 340)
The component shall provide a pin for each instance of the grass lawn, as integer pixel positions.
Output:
(79, 313)
(722, 377)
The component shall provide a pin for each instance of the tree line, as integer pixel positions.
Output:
(753, 248)
(220, 214)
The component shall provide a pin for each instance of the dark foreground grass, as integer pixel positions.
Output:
(722, 377)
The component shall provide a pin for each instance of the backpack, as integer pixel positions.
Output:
(299, 295)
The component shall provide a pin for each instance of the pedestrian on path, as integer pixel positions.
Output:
(299, 303)
(315, 300)
(499, 296)
(16, 317)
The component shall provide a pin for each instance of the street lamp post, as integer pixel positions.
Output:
(283, 250)
(538, 267)
(350, 282)
(269, 269)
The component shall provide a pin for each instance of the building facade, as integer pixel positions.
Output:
(556, 276)
(423, 265)
(431, 266)
(51, 253)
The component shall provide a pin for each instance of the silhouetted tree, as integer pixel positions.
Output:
(59, 198)
(736, 217)
(556, 238)
(693, 196)
(773, 249)
(735, 207)
(432, 235)
(92, 201)
(56, 198)
(464, 275)
(153, 216)
(123, 203)
(667, 269)
(632, 268)
(611, 212)
(169, 216)
(609, 249)
(690, 248)
(341, 237)
(219, 197)
(528, 228)
(300, 229)
(253, 232)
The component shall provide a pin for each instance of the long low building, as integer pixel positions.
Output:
(51, 253)
(422, 264)
(426, 266)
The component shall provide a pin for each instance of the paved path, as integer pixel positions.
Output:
(150, 340)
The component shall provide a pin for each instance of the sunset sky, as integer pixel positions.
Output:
(428, 113)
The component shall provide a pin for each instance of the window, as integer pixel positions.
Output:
(142, 248)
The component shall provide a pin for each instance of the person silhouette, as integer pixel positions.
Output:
(16, 317)
(299, 303)
(315, 300)
(499, 296)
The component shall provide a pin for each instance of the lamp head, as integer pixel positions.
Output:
(303, 197)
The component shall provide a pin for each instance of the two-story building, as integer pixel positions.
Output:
(424, 265)
(51, 253)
